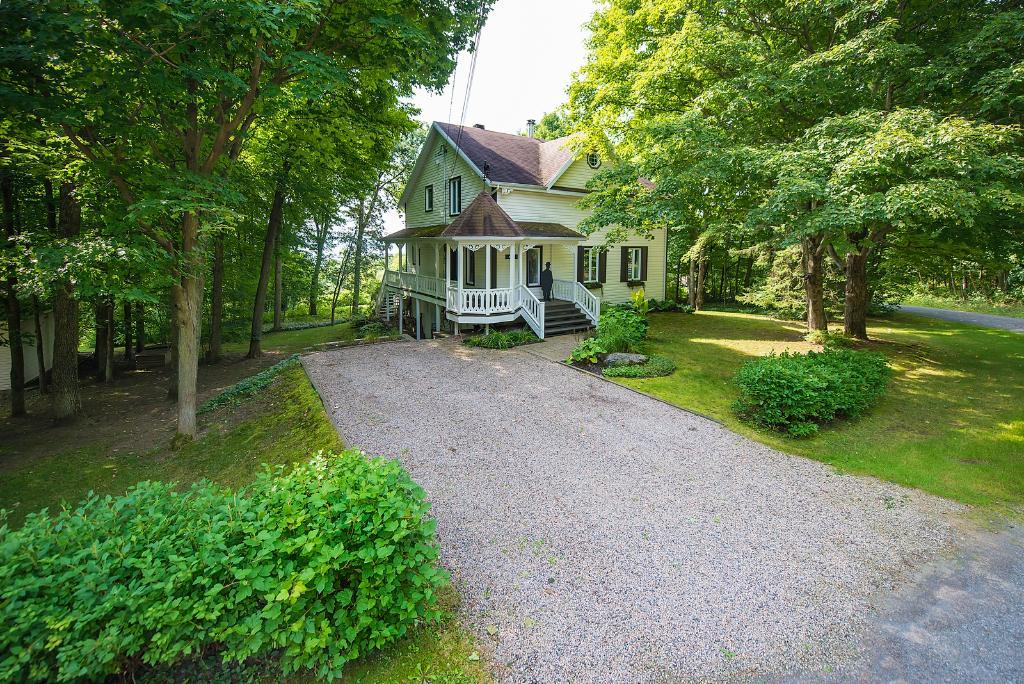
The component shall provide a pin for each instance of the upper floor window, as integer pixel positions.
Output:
(455, 195)
(593, 160)
(428, 198)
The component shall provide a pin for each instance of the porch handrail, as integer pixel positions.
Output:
(589, 302)
(532, 310)
(564, 290)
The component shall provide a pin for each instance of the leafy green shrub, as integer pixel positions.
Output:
(621, 329)
(796, 393)
(829, 339)
(244, 389)
(655, 367)
(501, 340)
(587, 351)
(314, 567)
(373, 330)
(669, 305)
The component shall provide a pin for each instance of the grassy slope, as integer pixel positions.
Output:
(972, 306)
(291, 341)
(952, 422)
(282, 425)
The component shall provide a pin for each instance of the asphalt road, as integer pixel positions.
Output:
(983, 320)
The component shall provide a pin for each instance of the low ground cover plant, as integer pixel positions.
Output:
(828, 338)
(655, 367)
(249, 387)
(498, 339)
(796, 393)
(312, 568)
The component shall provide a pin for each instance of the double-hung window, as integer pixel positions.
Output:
(428, 198)
(634, 264)
(591, 264)
(455, 196)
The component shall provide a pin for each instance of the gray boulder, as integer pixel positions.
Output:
(624, 359)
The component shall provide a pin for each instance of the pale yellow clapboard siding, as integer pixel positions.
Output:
(577, 175)
(523, 205)
(437, 171)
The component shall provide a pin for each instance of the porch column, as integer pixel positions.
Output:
(460, 275)
(512, 265)
(437, 266)
(418, 318)
(487, 267)
(447, 266)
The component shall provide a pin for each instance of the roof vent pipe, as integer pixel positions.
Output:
(480, 126)
(531, 127)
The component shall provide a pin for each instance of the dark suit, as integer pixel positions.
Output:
(547, 279)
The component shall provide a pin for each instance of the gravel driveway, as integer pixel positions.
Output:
(983, 320)
(598, 535)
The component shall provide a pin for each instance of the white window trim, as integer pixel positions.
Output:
(634, 265)
(454, 198)
(529, 253)
(428, 198)
(591, 260)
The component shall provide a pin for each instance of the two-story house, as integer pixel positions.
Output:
(485, 212)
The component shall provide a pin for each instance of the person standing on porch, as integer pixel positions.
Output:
(547, 279)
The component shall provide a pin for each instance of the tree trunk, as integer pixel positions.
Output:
(357, 266)
(813, 255)
(691, 282)
(278, 282)
(108, 351)
(188, 312)
(314, 284)
(273, 227)
(749, 275)
(40, 349)
(99, 353)
(216, 300)
(129, 345)
(341, 281)
(140, 327)
(64, 399)
(14, 337)
(679, 277)
(855, 307)
(702, 274)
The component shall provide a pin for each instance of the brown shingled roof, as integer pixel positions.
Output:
(426, 231)
(510, 158)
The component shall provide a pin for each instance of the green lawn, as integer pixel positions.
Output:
(291, 341)
(971, 305)
(951, 423)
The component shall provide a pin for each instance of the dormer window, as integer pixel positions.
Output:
(593, 160)
(428, 198)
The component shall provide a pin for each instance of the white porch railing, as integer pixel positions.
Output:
(589, 302)
(578, 294)
(564, 290)
(414, 282)
(532, 310)
(476, 301)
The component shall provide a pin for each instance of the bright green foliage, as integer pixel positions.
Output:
(798, 392)
(589, 350)
(501, 340)
(655, 367)
(249, 387)
(621, 329)
(320, 565)
(828, 339)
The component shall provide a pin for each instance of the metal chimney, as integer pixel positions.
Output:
(531, 127)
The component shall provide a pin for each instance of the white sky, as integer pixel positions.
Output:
(529, 50)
